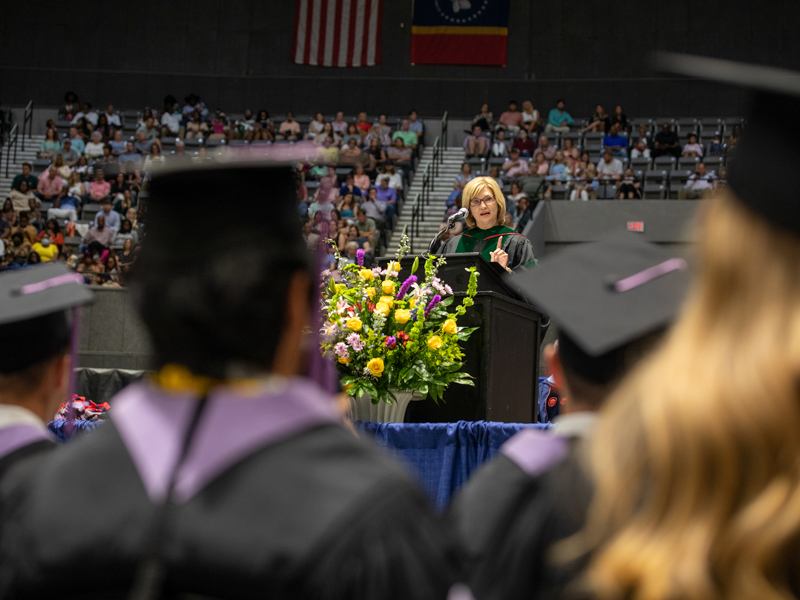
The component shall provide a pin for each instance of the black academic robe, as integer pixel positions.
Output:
(23, 454)
(484, 241)
(507, 520)
(319, 514)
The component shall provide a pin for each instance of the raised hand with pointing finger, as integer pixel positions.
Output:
(499, 255)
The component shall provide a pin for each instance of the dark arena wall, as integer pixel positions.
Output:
(238, 54)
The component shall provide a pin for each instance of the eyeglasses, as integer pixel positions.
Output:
(478, 201)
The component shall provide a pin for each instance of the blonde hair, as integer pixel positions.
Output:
(696, 459)
(475, 187)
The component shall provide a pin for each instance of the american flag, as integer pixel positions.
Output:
(338, 33)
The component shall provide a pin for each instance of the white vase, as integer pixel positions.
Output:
(362, 408)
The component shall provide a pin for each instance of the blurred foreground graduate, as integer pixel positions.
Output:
(36, 330)
(227, 475)
(696, 459)
(611, 302)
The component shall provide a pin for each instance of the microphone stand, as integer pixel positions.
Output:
(435, 244)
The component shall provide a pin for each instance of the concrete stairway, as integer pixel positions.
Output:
(15, 168)
(434, 211)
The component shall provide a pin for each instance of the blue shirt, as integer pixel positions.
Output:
(78, 144)
(619, 140)
(118, 147)
(112, 219)
(69, 202)
(387, 195)
(416, 127)
(556, 118)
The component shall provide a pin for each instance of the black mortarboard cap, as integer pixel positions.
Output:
(606, 295)
(768, 143)
(34, 319)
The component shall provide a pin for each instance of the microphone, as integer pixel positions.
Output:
(459, 215)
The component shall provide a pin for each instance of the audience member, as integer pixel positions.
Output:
(515, 166)
(385, 128)
(86, 113)
(265, 128)
(376, 134)
(350, 153)
(316, 126)
(390, 174)
(68, 153)
(50, 184)
(361, 179)
(117, 144)
(9, 214)
(350, 186)
(352, 132)
(714, 147)
(172, 122)
(367, 228)
(499, 147)
(112, 117)
(20, 197)
(25, 176)
(699, 185)
(692, 149)
(94, 149)
(28, 231)
(130, 157)
(531, 121)
(476, 143)
(409, 137)
(126, 232)
(524, 144)
(629, 188)
(196, 127)
(400, 156)
(511, 119)
(465, 176)
(78, 143)
(339, 125)
(361, 123)
(50, 144)
(571, 154)
(618, 144)
(154, 158)
(53, 231)
(545, 149)
(559, 119)
(99, 188)
(415, 124)
(484, 118)
(599, 121)
(609, 167)
(70, 107)
(643, 145)
(666, 142)
(110, 217)
(388, 197)
(100, 233)
(46, 250)
(620, 118)
(372, 208)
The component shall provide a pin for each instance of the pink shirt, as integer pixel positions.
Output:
(99, 189)
(515, 171)
(362, 181)
(513, 119)
(49, 186)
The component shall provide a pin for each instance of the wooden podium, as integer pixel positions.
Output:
(502, 355)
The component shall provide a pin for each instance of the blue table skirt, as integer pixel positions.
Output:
(443, 456)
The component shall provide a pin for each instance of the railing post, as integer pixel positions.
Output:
(444, 130)
(27, 120)
(12, 140)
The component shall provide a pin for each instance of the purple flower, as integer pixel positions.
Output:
(391, 342)
(355, 342)
(341, 350)
(436, 299)
(360, 257)
(404, 288)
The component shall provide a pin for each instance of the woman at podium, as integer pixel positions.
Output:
(487, 235)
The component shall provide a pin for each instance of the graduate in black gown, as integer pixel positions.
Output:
(35, 361)
(227, 474)
(484, 200)
(611, 301)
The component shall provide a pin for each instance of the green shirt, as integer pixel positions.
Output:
(409, 137)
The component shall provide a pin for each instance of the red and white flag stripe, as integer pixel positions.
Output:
(338, 33)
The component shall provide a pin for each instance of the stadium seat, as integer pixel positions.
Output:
(559, 192)
(40, 164)
(641, 163)
(654, 191)
(685, 162)
(666, 162)
(713, 163)
(90, 210)
(657, 176)
(678, 179)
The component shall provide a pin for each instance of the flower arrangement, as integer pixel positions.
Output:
(389, 335)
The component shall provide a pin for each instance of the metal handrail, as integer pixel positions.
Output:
(27, 122)
(437, 156)
(444, 130)
(12, 141)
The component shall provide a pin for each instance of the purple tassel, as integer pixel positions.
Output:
(436, 299)
(404, 288)
(360, 257)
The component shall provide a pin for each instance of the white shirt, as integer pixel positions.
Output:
(11, 415)
(91, 117)
(395, 181)
(94, 150)
(114, 120)
(171, 122)
(612, 168)
(697, 182)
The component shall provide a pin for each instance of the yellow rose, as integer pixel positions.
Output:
(345, 361)
(401, 315)
(412, 302)
(396, 267)
(346, 388)
(375, 366)
(387, 300)
(382, 308)
(450, 326)
(370, 293)
(388, 287)
(366, 274)
(354, 324)
(434, 342)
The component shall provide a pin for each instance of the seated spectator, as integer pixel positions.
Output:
(123, 203)
(103, 128)
(586, 187)
(599, 121)
(78, 144)
(545, 148)
(733, 138)
(400, 155)
(454, 199)
(90, 268)
(196, 127)
(117, 144)
(350, 186)
(316, 126)
(84, 130)
(264, 128)
(18, 249)
(374, 210)
(571, 155)
(409, 137)
(699, 185)
(395, 179)
(530, 117)
(130, 157)
(484, 118)
(125, 257)
(511, 119)
(377, 157)
(34, 214)
(53, 231)
(218, 128)
(581, 165)
(692, 149)
(628, 188)
(70, 108)
(388, 197)
(618, 144)
(33, 260)
(119, 186)
(172, 122)
(46, 250)
(558, 168)
(361, 179)
(520, 213)
(499, 147)
(465, 176)
(86, 113)
(609, 167)
(9, 214)
(540, 167)
(621, 119)
(126, 232)
(559, 119)
(666, 142)
(643, 145)
(476, 144)
(23, 226)
(94, 149)
(69, 155)
(99, 188)
(26, 176)
(111, 275)
(327, 131)
(367, 228)
(515, 166)
(385, 127)
(327, 153)
(362, 125)
(352, 132)
(100, 232)
(133, 217)
(339, 125)
(143, 144)
(415, 124)
(524, 144)
(714, 147)
(61, 167)
(347, 206)
(325, 198)
(113, 117)
(50, 145)
(377, 134)
(154, 158)
(76, 187)
(514, 195)
(111, 218)
(108, 162)
(50, 185)
(20, 198)
(244, 128)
